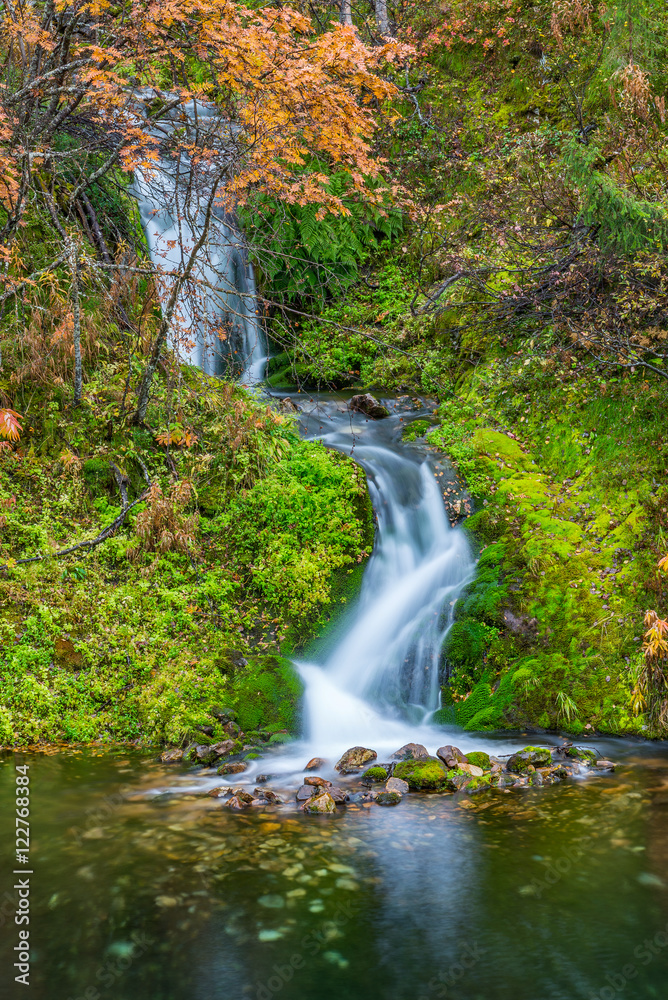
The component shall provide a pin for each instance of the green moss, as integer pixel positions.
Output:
(374, 774)
(480, 759)
(422, 775)
(267, 693)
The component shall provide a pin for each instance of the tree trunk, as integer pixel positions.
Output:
(382, 22)
(345, 15)
(76, 333)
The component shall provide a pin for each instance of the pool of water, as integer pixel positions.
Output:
(556, 893)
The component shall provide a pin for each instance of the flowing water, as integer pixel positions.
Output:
(217, 326)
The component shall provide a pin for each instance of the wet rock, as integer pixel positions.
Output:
(338, 794)
(171, 756)
(234, 768)
(422, 775)
(457, 781)
(582, 754)
(396, 785)
(202, 754)
(315, 764)
(224, 748)
(261, 778)
(287, 405)
(452, 757)
(471, 769)
(206, 730)
(388, 798)
(306, 792)
(218, 793)
(353, 760)
(520, 762)
(236, 803)
(268, 795)
(323, 803)
(243, 796)
(606, 765)
(313, 779)
(368, 404)
(224, 714)
(411, 751)
(374, 774)
(232, 729)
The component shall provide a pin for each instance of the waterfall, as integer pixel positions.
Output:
(380, 682)
(218, 328)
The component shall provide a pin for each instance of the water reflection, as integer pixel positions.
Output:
(547, 894)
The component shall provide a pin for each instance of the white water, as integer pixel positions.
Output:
(217, 328)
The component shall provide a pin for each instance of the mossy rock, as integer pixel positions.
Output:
(422, 775)
(267, 692)
(581, 754)
(480, 759)
(521, 761)
(479, 783)
(375, 774)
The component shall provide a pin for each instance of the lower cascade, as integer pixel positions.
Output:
(380, 681)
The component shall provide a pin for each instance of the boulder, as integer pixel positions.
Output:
(202, 754)
(338, 794)
(171, 756)
(313, 779)
(323, 803)
(451, 756)
(396, 785)
(388, 798)
(315, 764)
(422, 775)
(353, 760)
(234, 768)
(411, 751)
(368, 404)
(520, 762)
(307, 792)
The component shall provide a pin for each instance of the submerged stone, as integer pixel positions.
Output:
(353, 760)
(171, 756)
(388, 798)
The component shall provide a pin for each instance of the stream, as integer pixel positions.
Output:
(145, 886)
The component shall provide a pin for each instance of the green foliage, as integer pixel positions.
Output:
(302, 256)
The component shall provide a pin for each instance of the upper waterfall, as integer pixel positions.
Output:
(218, 329)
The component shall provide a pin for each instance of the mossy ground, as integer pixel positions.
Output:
(131, 640)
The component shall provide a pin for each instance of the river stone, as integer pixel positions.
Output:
(313, 779)
(268, 795)
(396, 785)
(338, 794)
(232, 729)
(606, 765)
(235, 768)
(171, 756)
(585, 756)
(451, 756)
(216, 793)
(422, 775)
(315, 764)
(411, 751)
(388, 798)
(222, 749)
(519, 763)
(457, 782)
(353, 760)
(306, 792)
(236, 803)
(323, 803)
(366, 403)
(475, 772)
(374, 774)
